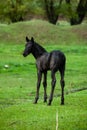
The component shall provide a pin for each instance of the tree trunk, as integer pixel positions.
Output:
(80, 12)
(14, 15)
(51, 10)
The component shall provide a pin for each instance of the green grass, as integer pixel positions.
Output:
(18, 81)
(43, 32)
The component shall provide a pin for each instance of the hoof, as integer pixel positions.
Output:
(34, 102)
(45, 101)
(49, 104)
(62, 103)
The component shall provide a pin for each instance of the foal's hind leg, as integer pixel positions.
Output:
(52, 87)
(62, 82)
(45, 86)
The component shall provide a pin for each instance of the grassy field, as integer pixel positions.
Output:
(18, 78)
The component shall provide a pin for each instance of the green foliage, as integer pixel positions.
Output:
(13, 10)
(16, 10)
(35, 7)
(19, 10)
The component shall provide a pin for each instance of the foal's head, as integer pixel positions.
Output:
(28, 46)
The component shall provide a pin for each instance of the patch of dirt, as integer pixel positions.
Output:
(71, 91)
(75, 90)
(81, 31)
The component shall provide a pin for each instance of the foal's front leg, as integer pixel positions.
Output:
(39, 75)
(45, 86)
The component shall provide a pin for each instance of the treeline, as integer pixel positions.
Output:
(20, 10)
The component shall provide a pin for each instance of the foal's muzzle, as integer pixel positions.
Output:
(24, 55)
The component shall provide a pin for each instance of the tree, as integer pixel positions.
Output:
(19, 10)
(12, 10)
(16, 10)
(80, 12)
(52, 8)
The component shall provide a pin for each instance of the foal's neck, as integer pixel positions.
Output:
(37, 50)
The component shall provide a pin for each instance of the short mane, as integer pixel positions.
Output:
(39, 50)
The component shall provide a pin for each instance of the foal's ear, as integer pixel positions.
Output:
(27, 40)
(32, 39)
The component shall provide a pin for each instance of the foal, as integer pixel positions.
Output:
(54, 61)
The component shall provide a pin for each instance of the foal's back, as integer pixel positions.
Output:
(51, 61)
(57, 60)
